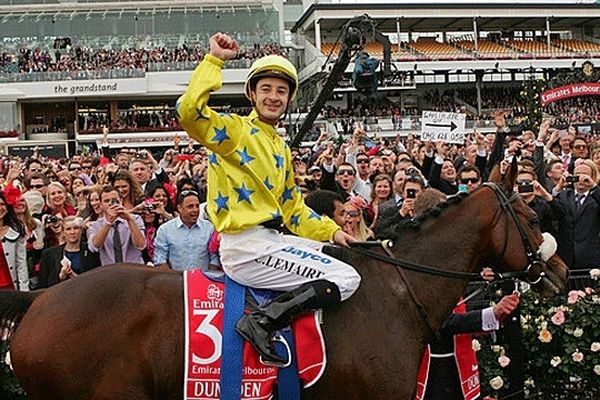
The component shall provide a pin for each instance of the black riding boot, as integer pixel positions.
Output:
(258, 326)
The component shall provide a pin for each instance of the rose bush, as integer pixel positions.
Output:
(561, 337)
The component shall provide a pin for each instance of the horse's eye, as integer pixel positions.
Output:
(534, 222)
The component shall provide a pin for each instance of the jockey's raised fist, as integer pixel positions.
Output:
(223, 46)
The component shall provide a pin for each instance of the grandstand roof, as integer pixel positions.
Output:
(452, 17)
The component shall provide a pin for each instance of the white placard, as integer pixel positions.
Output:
(446, 126)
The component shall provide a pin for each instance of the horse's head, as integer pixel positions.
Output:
(519, 247)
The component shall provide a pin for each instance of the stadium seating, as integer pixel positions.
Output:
(437, 50)
(535, 48)
(577, 45)
(486, 49)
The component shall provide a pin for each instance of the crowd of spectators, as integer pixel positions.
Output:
(130, 121)
(78, 58)
(375, 183)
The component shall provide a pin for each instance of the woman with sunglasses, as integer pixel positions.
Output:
(354, 223)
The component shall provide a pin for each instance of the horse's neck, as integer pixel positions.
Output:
(454, 241)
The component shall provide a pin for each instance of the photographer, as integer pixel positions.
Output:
(535, 196)
(577, 207)
(119, 235)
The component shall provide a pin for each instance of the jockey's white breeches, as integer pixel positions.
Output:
(266, 259)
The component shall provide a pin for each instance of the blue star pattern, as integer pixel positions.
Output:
(220, 135)
(212, 158)
(254, 131)
(268, 184)
(245, 158)
(314, 215)
(287, 194)
(278, 160)
(244, 193)
(295, 220)
(222, 202)
(276, 214)
(199, 114)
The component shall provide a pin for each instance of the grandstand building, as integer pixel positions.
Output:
(66, 69)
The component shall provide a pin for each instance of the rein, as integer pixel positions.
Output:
(389, 258)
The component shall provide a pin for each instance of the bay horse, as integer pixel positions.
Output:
(117, 332)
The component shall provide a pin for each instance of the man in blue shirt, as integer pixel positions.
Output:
(182, 243)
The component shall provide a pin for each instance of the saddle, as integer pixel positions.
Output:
(219, 364)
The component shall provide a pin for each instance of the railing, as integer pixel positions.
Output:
(191, 65)
(72, 75)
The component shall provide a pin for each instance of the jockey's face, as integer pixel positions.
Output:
(270, 98)
(338, 213)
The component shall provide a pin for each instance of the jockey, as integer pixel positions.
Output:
(252, 193)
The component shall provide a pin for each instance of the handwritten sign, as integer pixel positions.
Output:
(446, 126)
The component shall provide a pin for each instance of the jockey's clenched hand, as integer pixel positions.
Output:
(342, 238)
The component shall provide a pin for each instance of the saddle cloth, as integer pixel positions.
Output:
(204, 307)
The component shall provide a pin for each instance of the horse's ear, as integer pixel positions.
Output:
(508, 180)
(495, 175)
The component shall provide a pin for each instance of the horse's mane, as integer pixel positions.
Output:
(396, 230)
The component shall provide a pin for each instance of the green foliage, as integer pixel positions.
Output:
(9, 386)
(562, 338)
(530, 96)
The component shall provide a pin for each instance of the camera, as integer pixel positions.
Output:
(149, 207)
(114, 201)
(411, 193)
(52, 219)
(572, 178)
(526, 187)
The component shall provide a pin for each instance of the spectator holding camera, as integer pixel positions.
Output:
(119, 235)
(535, 196)
(69, 259)
(52, 230)
(413, 185)
(577, 207)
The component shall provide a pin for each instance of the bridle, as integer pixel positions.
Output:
(533, 257)
(533, 273)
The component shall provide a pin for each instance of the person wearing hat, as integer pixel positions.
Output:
(252, 193)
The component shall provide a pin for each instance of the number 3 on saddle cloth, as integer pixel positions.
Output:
(213, 363)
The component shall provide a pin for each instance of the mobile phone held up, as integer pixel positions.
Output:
(411, 193)
(572, 179)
